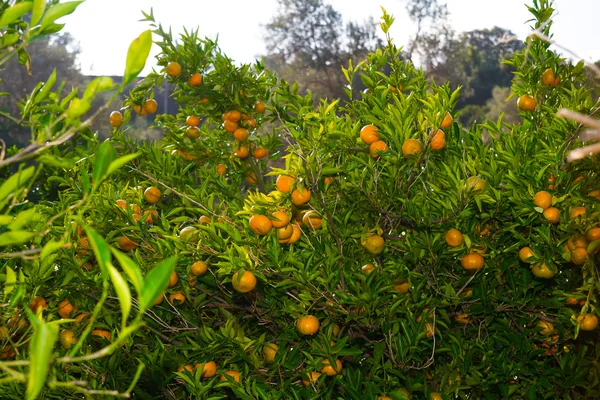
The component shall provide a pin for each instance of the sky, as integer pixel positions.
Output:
(104, 28)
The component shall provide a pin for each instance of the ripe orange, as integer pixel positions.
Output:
(576, 241)
(374, 244)
(587, 322)
(401, 286)
(260, 152)
(312, 219)
(209, 369)
(251, 179)
(579, 256)
(192, 120)
(230, 126)
(260, 224)
(195, 79)
(101, 333)
(542, 199)
(234, 116)
(285, 233)
(438, 141)
(116, 119)
(67, 338)
(525, 253)
(368, 268)
(411, 147)
(270, 352)
(139, 110)
(173, 279)
(435, 396)
(204, 220)
(187, 368)
(244, 284)
(368, 134)
(192, 132)
(475, 184)
(280, 219)
(593, 234)
(556, 81)
(127, 244)
(384, 398)
(121, 203)
(377, 147)
(447, 121)
(240, 134)
(552, 214)
(242, 152)
(177, 298)
(328, 180)
(312, 377)
(331, 370)
(198, 268)
(594, 193)
(260, 107)
(221, 169)
(576, 212)
(300, 196)
(151, 216)
(150, 106)
(472, 262)
(295, 235)
(307, 325)
(541, 270)
(37, 302)
(454, 238)
(463, 318)
(83, 316)
(234, 374)
(66, 309)
(173, 68)
(284, 183)
(547, 78)
(526, 103)
(151, 195)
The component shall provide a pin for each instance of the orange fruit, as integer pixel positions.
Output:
(260, 107)
(260, 224)
(454, 238)
(244, 284)
(116, 119)
(204, 220)
(192, 132)
(240, 134)
(173, 68)
(300, 196)
(242, 152)
(307, 325)
(384, 398)
(176, 298)
(579, 178)
(121, 203)
(587, 322)
(283, 234)
(438, 140)
(204, 100)
(411, 147)
(260, 152)
(541, 270)
(542, 199)
(376, 147)
(547, 78)
(251, 179)
(221, 169)
(151, 195)
(280, 219)
(101, 333)
(547, 328)
(576, 212)
(127, 244)
(435, 396)
(295, 235)
(150, 106)
(576, 241)
(234, 116)
(284, 183)
(331, 370)
(234, 374)
(312, 377)
(173, 279)
(192, 120)
(187, 368)
(81, 317)
(139, 110)
(401, 286)
(151, 216)
(209, 369)
(475, 184)
(37, 302)
(198, 268)
(312, 219)
(328, 180)
(66, 309)
(368, 134)
(472, 262)
(579, 256)
(67, 338)
(195, 79)
(270, 352)
(463, 318)
(552, 214)
(526, 103)
(525, 253)
(556, 81)
(230, 126)
(447, 121)
(374, 244)
(593, 234)
(594, 193)
(368, 268)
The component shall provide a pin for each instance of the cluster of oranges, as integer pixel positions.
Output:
(528, 103)
(67, 337)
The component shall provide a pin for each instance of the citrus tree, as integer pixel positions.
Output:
(375, 249)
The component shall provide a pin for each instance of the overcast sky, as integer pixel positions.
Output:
(104, 28)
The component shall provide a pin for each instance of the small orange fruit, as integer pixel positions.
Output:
(280, 219)
(401, 286)
(139, 110)
(173, 68)
(198, 268)
(116, 119)
(579, 256)
(576, 241)
(587, 322)
(173, 279)
(283, 234)
(438, 141)
(81, 317)
(260, 152)
(127, 244)
(463, 318)
(192, 132)
(204, 100)
(475, 184)
(472, 262)
(67, 338)
(230, 126)
(260, 224)
(447, 121)
(192, 120)
(244, 284)
(374, 244)
(221, 169)
(376, 147)
(151, 195)
(209, 369)
(547, 328)
(367, 268)
(121, 203)
(454, 238)
(284, 183)
(525, 253)
(101, 333)
(552, 214)
(411, 147)
(435, 396)
(195, 79)
(576, 212)
(151, 216)
(260, 107)
(312, 377)
(234, 374)
(300, 196)
(526, 103)
(234, 116)
(542, 199)
(368, 134)
(270, 352)
(307, 325)
(541, 270)
(177, 298)
(593, 234)
(37, 302)
(312, 219)
(295, 235)
(331, 370)
(242, 152)
(204, 220)
(150, 106)
(240, 134)
(66, 309)
(187, 368)
(547, 78)
(251, 179)
(594, 193)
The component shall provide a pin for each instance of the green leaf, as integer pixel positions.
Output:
(39, 6)
(104, 157)
(54, 161)
(137, 55)
(51, 247)
(52, 28)
(16, 237)
(15, 12)
(59, 10)
(22, 219)
(77, 108)
(41, 348)
(123, 292)
(11, 280)
(15, 183)
(98, 85)
(119, 162)
(100, 248)
(131, 269)
(156, 282)
(46, 89)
